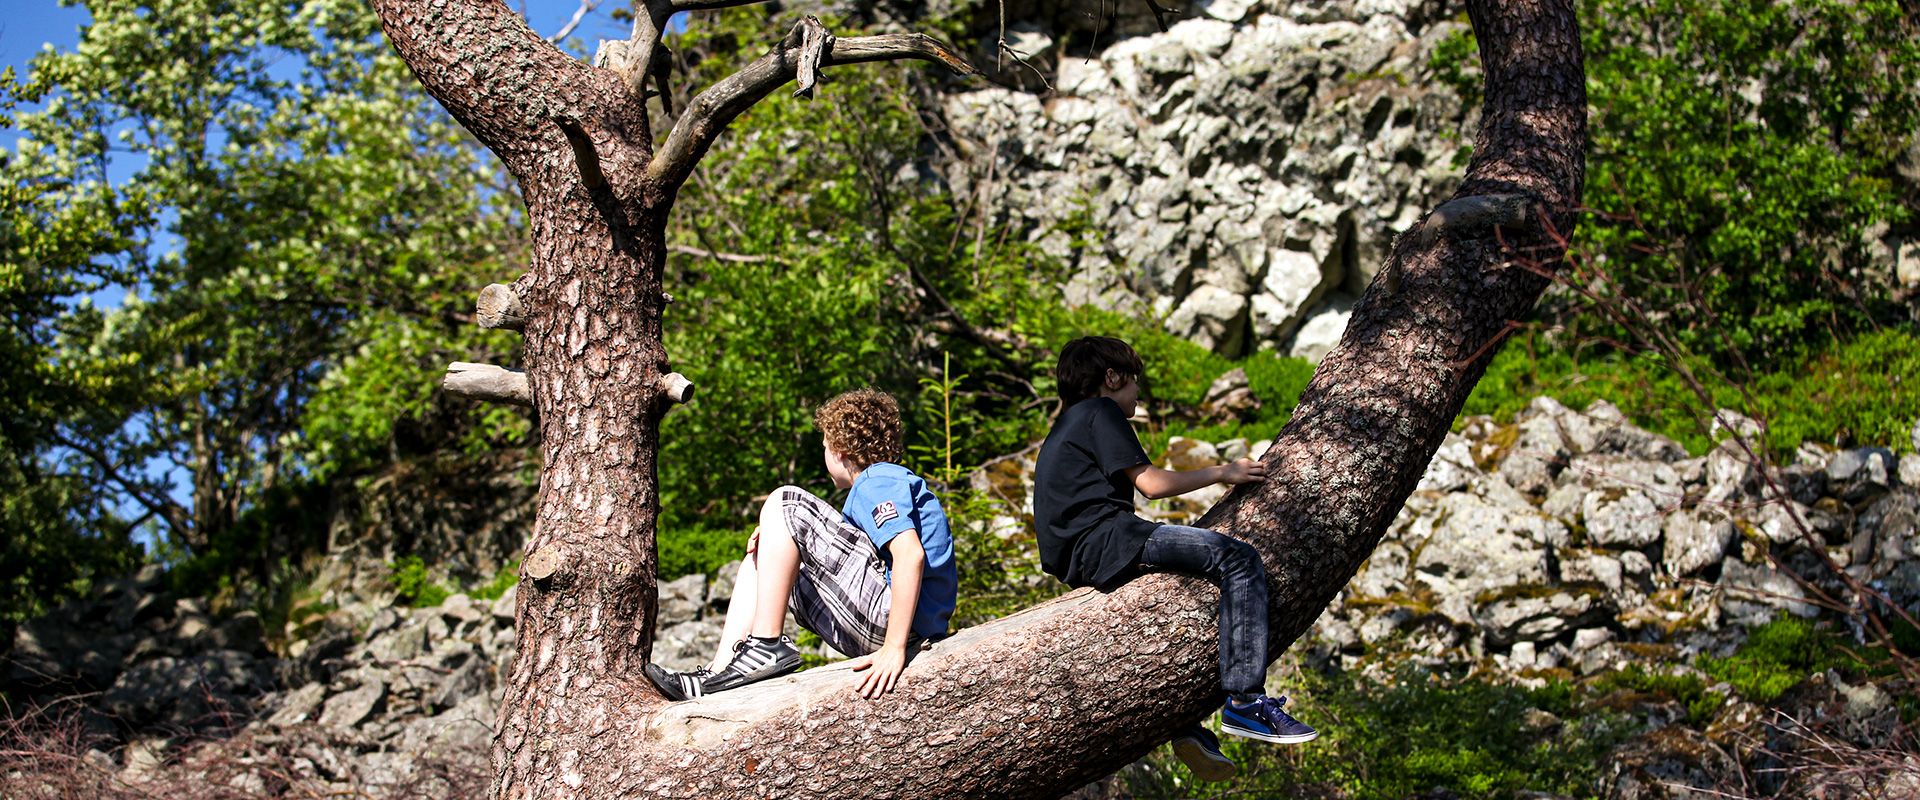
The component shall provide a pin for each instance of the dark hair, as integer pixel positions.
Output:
(1084, 363)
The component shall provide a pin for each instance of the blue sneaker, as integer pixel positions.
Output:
(1262, 719)
(1197, 748)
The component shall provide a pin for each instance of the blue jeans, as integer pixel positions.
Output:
(1235, 567)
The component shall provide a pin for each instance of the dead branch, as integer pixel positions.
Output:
(499, 306)
(488, 382)
(579, 14)
(738, 258)
(676, 387)
(814, 41)
(712, 110)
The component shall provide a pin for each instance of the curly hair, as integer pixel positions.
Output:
(863, 426)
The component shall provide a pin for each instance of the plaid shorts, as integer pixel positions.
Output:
(841, 592)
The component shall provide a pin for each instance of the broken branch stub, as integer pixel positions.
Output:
(499, 307)
(488, 382)
(814, 41)
(542, 564)
(676, 387)
(1463, 216)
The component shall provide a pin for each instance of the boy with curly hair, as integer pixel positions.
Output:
(875, 579)
(1084, 480)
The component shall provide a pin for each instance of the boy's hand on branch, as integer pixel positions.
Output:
(883, 668)
(1245, 470)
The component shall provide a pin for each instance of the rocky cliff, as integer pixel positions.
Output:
(1243, 173)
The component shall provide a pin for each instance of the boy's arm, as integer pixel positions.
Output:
(909, 561)
(1156, 483)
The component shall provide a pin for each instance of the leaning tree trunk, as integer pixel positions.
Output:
(1031, 705)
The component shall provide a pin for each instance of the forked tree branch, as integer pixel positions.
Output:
(715, 108)
(634, 58)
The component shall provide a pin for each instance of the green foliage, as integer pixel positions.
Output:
(507, 578)
(1861, 392)
(692, 549)
(1784, 652)
(299, 233)
(999, 566)
(1455, 63)
(828, 301)
(1685, 687)
(413, 584)
(1743, 158)
(1411, 734)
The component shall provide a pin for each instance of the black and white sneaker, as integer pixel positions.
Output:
(754, 659)
(678, 685)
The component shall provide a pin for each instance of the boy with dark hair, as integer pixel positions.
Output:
(875, 579)
(1084, 479)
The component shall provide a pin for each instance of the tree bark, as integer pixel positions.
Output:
(1032, 705)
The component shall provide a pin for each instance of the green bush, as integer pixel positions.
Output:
(1412, 734)
(414, 586)
(1688, 689)
(1861, 392)
(1743, 156)
(695, 550)
(1784, 652)
(507, 578)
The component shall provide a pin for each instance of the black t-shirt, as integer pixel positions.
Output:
(1082, 500)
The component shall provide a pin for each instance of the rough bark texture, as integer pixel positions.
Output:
(1028, 706)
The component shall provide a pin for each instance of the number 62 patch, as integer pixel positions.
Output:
(885, 513)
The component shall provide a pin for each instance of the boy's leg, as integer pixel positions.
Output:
(740, 611)
(808, 558)
(1235, 567)
(841, 591)
(777, 561)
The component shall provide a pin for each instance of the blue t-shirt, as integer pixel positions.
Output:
(887, 499)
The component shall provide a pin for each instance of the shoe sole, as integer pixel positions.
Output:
(1204, 764)
(785, 666)
(1273, 738)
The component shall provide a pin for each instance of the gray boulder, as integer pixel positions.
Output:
(297, 707)
(1695, 540)
(402, 643)
(189, 692)
(353, 708)
(1861, 475)
(1536, 613)
(681, 598)
(720, 591)
(1753, 595)
(1670, 763)
(1472, 547)
(1618, 517)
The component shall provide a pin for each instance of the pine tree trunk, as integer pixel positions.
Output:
(1033, 705)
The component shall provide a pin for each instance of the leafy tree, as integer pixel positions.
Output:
(286, 243)
(1744, 158)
